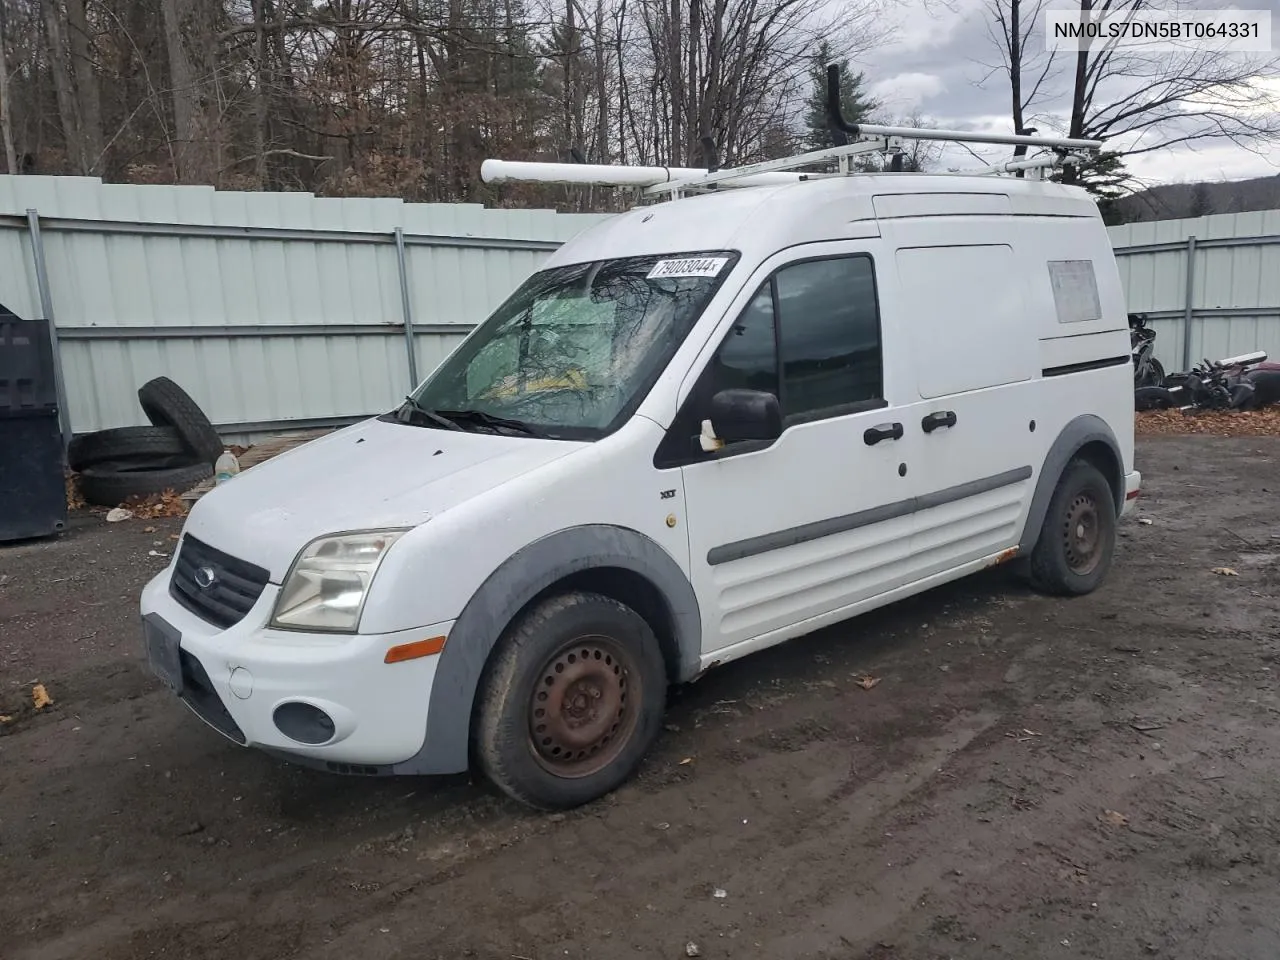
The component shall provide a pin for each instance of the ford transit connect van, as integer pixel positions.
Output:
(704, 427)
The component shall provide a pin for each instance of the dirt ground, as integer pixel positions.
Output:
(1030, 778)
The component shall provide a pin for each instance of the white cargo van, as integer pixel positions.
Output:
(706, 426)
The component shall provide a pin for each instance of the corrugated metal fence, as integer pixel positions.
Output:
(1210, 285)
(272, 310)
(283, 310)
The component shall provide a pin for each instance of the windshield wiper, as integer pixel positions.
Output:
(489, 420)
(431, 415)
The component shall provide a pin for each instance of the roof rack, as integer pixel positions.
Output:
(866, 139)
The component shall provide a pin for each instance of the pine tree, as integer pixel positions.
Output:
(855, 103)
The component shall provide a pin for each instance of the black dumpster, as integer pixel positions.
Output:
(33, 496)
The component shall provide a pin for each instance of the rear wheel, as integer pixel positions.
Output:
(572, 701)
(1078, 538)
(1153, 398)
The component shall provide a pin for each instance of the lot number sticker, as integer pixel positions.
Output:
(692, 267)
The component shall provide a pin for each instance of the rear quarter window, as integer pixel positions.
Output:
(1075, 290)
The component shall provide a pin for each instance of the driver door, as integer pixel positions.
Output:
(783, 532)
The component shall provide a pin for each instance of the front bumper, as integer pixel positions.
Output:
(1132, 488)
(235, 679)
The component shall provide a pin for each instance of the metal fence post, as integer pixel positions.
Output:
(1186, 306)
(46, 307)
(406, 307)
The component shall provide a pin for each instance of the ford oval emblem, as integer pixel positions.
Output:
(205, 578)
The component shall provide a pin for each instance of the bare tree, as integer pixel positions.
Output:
(1012, 23)
(6, 104)
(406, 97)
(190, 36)
(731, 70)
(1137, 101)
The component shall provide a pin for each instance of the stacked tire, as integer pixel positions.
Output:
(175, 453)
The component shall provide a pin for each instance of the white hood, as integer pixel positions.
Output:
(374, 474)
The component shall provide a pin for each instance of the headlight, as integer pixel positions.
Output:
(327, 584)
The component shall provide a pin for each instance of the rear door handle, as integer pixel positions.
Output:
(939, 418)
(884, 431)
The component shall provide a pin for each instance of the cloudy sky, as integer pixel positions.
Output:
(935, 65)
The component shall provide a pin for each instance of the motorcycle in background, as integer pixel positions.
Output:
(1147, 370)
(1245, 382)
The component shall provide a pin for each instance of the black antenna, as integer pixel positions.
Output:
(709, 154)
(840, 128)
(1020, 150)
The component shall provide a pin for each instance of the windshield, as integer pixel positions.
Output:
(574, 350)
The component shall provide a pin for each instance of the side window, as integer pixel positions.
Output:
(823, 317)
(830, 335)
(748, 358)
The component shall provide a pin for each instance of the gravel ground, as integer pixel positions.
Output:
(1030, 778)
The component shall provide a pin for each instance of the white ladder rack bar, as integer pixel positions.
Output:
(1011, 166)
(766, 167)
(606, 175)
(869, 139)
(972, 136)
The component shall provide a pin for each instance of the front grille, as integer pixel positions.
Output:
(234, 590)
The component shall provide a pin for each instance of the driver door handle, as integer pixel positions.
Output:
(939, 418)
(884, 431)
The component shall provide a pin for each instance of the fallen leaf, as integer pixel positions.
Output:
(1030, 733)
(1226, 423)
(686, 760)
(1225, 572)
(1145, 521)
(116, 514)
(866, 683)
(40, 696)
(148, 529)
(4, 719)
(1114, 818)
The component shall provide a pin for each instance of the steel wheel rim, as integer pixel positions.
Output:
(583, 707)
(1082, 534)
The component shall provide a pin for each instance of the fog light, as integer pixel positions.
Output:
(303, 722)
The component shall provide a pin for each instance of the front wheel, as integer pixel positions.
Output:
(1078, 538)
(572, 701)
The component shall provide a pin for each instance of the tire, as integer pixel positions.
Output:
(1078, 537)
(167, 405)
(1153, 398)
(124, 443)
(593, 647)
(111, 483)
(1149, 375)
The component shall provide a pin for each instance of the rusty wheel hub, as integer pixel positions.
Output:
(583, 708)
(1082, 535)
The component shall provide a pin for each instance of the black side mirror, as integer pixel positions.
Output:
(738, 415)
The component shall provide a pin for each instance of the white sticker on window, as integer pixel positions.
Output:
(690, 267)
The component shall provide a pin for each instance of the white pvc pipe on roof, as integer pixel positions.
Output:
(606, 175)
